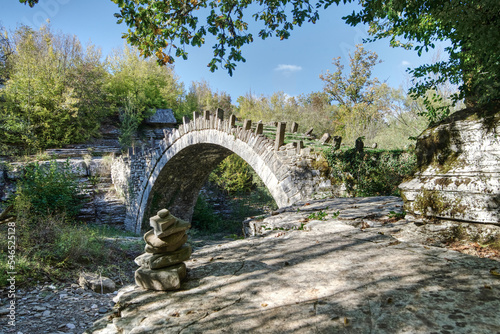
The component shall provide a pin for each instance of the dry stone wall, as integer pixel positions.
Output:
(102, 205)
(171, 174)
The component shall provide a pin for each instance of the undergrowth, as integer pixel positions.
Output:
(47, 243)
(238, 203)
(58, 250)
(371, 172)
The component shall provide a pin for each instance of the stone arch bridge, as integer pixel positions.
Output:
(171, 173)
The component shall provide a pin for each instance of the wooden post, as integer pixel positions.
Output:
(206, 115)
(295, 127)
(280, 135)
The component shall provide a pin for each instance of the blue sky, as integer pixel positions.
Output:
(292, 66)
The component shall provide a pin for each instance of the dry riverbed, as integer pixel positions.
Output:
(340, 265)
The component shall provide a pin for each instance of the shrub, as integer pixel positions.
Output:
(371, 173)
(46, 190)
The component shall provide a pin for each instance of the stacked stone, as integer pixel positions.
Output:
(162, 267)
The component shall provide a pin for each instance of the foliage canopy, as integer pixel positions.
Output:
(472, 29)
(164, 28)
(54, 93)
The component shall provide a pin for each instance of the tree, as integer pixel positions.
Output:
(6, 52)
(308, 110)
(360, 100)
(137, 87)
(53, 95)
(472, 28)
(201, 97)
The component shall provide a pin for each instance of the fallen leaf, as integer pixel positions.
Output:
(263, 305)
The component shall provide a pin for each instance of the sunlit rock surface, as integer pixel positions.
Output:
(459, 170)
(308, 272)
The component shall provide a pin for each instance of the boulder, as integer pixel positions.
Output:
(96, 283)
(156, 261)
(161, 279)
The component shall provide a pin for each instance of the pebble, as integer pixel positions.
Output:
(51, 309)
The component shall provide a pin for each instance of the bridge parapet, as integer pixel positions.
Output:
(171, 173)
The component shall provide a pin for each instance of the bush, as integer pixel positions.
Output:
(371, 173)
(47, 190)
(47, 238)
(50, 246)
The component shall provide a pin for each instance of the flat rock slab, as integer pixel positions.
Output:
(331, 277)
(157, 261)
(161, 279)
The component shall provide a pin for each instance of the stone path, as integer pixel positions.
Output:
(343, 274)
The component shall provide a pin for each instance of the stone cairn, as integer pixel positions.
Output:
(162, 267)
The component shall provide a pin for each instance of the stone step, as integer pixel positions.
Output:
(80, 152)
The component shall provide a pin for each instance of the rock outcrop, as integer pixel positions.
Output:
(459, 170)
(343, 269)
(161, 266)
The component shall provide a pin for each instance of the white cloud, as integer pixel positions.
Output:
(405, 63)
(288, 68)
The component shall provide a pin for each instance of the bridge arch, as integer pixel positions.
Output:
(172, 173)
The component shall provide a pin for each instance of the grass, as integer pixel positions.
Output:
(64, 250)
(270, 132)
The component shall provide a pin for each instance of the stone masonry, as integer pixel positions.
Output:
(171, 174)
